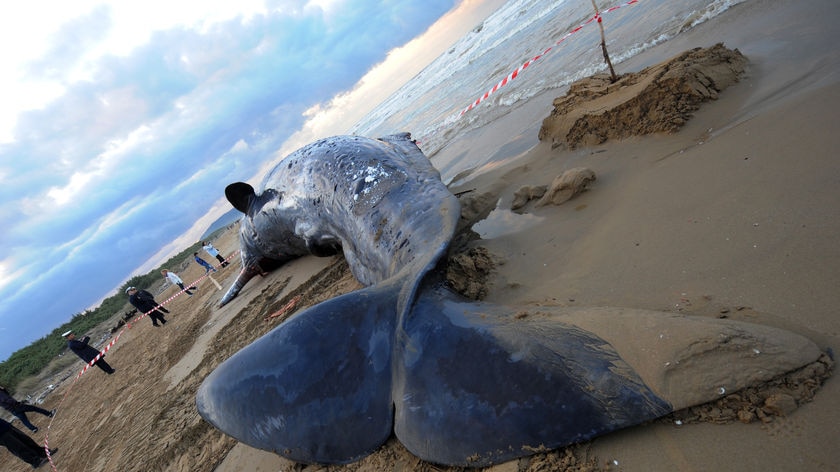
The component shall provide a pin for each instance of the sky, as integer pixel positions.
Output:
(122, 122)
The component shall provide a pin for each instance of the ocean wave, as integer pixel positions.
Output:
(429, 105)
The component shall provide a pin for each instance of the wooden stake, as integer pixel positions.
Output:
(214, 281)
(613, 77)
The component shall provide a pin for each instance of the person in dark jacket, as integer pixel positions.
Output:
(87, 352)
(22, 446)
(19, 409)
(145, 303)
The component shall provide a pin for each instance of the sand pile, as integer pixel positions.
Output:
(661, 98)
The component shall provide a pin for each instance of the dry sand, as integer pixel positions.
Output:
(737, 214)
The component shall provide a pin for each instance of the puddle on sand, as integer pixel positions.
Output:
(503, 222)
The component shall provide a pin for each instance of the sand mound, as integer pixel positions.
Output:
(660, 98)
(563, 188)
(467, 272)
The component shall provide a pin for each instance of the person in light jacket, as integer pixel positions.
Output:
(214, 252)
(177, 281)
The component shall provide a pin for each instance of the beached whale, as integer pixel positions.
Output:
(458, 382)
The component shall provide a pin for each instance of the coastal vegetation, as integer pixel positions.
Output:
(34, 358)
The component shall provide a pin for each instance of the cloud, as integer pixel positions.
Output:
(127, 120)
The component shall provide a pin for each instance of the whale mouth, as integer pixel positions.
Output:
(268, 264)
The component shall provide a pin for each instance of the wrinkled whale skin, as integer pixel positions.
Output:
(375, 200)
(458, 382)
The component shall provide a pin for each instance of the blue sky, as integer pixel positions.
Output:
(122, 122)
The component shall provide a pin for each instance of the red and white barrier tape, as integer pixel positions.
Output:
(106, 349)
(527, 63)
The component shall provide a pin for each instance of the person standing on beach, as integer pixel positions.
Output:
(87, 352)
(19, 409)
(22, 446)
(177, 281)
(214, 252)
(145, 303)
(204, 264)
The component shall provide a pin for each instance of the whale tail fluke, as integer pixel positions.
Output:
(330, 384)
(316, 389)
(553, 376)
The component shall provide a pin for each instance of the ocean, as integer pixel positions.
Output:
(435, 104)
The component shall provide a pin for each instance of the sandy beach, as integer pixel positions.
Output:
(735, 215)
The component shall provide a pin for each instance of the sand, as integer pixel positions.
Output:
(735, 215)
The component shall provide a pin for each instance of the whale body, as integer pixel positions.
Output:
(458, 382)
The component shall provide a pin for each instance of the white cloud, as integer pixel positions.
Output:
(326, 6)
(135, 22)
(6, 273)
(97, 169)
(240, 146)
(63, 195)
(386, 77)
(28, 29)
